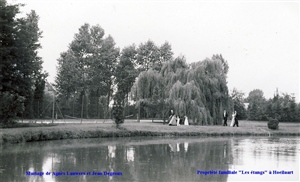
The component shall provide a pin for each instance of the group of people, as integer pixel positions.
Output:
(234, 119)
(175, 120)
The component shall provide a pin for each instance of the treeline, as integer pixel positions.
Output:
(281, 107)
(22, 80)
(93, 68)
(93, 72)
(96, 79)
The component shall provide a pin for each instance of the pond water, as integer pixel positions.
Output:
(153, 159)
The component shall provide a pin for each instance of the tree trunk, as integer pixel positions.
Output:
(38, 109)
(98, 99)
(73, 105)
(139, 112)
(123, 105)
(82, 107)
(86, 106)
(98, 113)
(107, 105)
(53, 108)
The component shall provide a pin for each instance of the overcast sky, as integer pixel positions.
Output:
(260, 40)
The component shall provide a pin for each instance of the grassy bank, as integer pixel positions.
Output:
(22, 125)
(130, 129)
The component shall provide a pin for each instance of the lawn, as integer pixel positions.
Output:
(100, 129)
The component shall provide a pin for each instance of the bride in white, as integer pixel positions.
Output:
(173, 121)
(233, 118)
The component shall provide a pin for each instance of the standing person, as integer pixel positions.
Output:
(225, 115)
(172, 119)
(177, 120)
(171, 114)
(233, 118)
(181, 122)
(236, 122)
(186, 121)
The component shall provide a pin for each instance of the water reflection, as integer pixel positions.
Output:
(266, 154)
(176, 147)
(130, 154)
(147, 160)
(111, 151)
(186, 146)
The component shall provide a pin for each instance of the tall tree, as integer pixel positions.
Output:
(28, 43)
(165, 55)
(149, 55)
(237, 98)
(293, 110)
(224, 63)
(86, 69)
(11, 101)
(38, 94)
(126, 73)
(256, 96)
(257, 104)
(21, 67)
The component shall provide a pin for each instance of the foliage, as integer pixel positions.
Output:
(256, 95)
(237, 99)
(284, 108)
(117, 109)
(21, 68)
(11, 105)
(86, 70)
(273, 124)
(124, 78)
(198, 91)
(150, 56)
(126, 73)
(281, 107)
(38, 95)
(256, 102)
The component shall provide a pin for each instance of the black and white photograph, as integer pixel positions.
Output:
(171, 90)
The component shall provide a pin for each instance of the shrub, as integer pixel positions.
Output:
(273, 124)
(11, 104)
(117, 112)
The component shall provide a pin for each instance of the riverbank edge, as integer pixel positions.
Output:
(43, 134)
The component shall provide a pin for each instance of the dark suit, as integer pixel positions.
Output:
(225, 118)
(181, 121)
(236, 121)
(171, 113)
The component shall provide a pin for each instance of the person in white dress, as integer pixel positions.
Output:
(177, 120)
(232, 119)
(186, 121)
(173, 121)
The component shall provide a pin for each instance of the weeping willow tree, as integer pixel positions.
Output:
(148, 92)
(210, 77)
(198, 91)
